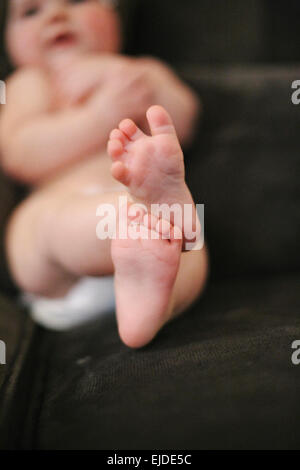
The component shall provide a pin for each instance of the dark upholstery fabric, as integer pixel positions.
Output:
(282, 37)
(8, 197)
(17, 331)
(200, 31)
(4, 63)
(214, 31)
(219, 377)
(245, 168)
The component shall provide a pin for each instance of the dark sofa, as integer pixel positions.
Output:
(221, 376)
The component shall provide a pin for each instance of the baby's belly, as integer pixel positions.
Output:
(89, 177)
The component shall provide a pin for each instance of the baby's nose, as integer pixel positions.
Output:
(56, 11)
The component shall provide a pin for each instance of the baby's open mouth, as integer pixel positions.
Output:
(63, 40)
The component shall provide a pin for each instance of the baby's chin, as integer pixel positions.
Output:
(57, 57)
(62, 56)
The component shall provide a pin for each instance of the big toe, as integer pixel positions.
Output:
(160, 121)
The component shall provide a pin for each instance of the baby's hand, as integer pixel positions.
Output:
(128, 93)
(139, 83)
(75, 81)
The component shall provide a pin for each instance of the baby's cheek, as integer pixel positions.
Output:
(24, 46)
(101, 27)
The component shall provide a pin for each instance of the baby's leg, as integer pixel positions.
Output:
(51, 241)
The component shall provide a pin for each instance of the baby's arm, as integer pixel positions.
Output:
(36, 140)
(172, 93)
(79, 78)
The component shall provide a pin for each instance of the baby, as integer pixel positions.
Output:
(70, 89)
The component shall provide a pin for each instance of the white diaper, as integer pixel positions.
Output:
(88, 299)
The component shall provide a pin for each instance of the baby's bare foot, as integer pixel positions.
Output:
(152, 167)
(146, 267)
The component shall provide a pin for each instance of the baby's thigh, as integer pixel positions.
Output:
(26, 242)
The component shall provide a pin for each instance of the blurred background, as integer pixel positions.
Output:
(218, 31)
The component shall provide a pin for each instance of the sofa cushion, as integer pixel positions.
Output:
(17, 332)
(245, 168)
(201, 31)
(210, 31)
(220, 376)
(8, 197)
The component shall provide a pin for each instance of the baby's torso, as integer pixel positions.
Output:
(90, 176)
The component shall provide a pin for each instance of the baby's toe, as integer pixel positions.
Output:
(116, 134)
(131, 130)
(115, 148)
(121, 173)
(160, 121)
(150, 221)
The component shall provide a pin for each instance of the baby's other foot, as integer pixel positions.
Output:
(152, 167)
(146, 267)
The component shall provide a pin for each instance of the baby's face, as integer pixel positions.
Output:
(39, 31)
